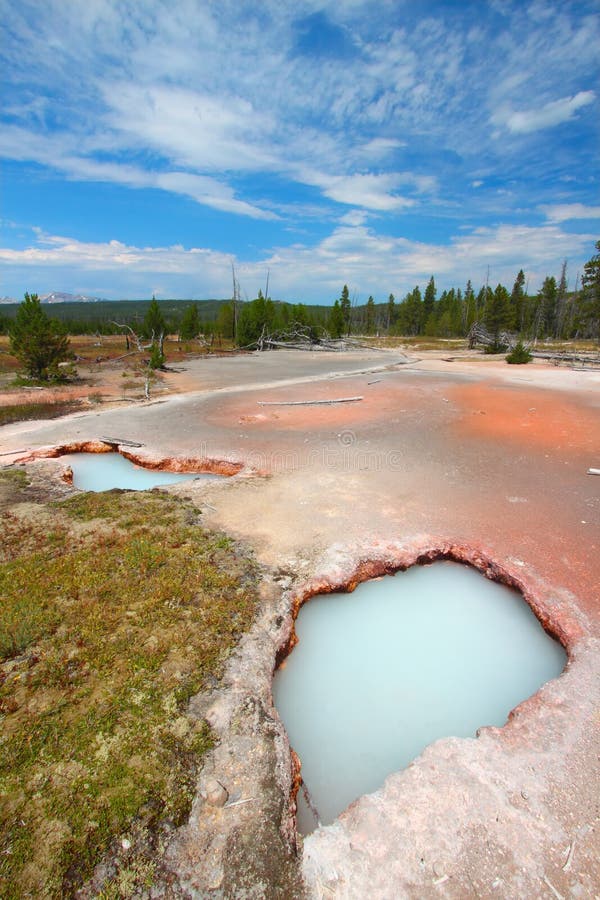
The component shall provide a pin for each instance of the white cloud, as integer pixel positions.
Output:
(354, 217)
(371, 191)
(378, 148)
(187, 97)
(191, 128)
(209, 192)
(377, 264)
(17, 143)
(563, 212)
(121, 269)
(352, 253)
(553, 113)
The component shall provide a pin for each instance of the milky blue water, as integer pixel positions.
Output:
(103, 471)
(379, 674)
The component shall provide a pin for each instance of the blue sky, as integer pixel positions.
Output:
(147, 145)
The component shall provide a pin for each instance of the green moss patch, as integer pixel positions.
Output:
(113, 616)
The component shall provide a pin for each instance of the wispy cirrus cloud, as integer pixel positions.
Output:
(564, 212)
(371, 191)
(222, 133)
(17, 143)
(555, 112)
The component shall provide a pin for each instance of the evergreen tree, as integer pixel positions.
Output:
(336, 321)
(37, 341)
(519, 356)
(449, 322)
(370, 316)
(484, 298)
(517, 302)
(548, 301)
(346, 308)
(225, 325)
(428, 302)
(497, 314)
(391, 312)
(255, 319)
(470, 308)
(157, 357)
(190, 324)
(412, 312)
(247, 331)
(300, 314)
(591, 295)
(561, 302)
(154, 322)
(286, 314)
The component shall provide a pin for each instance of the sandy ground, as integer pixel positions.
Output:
(440, 452)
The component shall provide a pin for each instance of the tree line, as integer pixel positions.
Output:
(553, 312)
(78, 317)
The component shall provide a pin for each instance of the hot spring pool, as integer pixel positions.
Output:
(379, 674)
(103, 471)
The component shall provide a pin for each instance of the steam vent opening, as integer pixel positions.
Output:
(378, 674)
(103, 471)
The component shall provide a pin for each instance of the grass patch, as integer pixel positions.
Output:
(14, 478)
(112, 618)
(49, 409)
(416, 342)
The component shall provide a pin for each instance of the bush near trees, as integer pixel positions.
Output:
(520, 355)
(37, 341)
(157, 357)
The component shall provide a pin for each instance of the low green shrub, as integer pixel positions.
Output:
(519, 356)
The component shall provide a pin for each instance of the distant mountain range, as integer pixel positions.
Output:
(58, 297)
(62, 297)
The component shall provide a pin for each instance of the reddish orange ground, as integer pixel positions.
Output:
(385, 398)
(548, 420)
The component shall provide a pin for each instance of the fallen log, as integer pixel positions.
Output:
(590, 359)
(120, 441)
(101, 359)
(292, 345)
(308, 402)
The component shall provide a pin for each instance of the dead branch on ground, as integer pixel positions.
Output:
(308, 402)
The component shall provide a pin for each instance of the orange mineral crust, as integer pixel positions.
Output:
(316, 407)
(549, 420)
